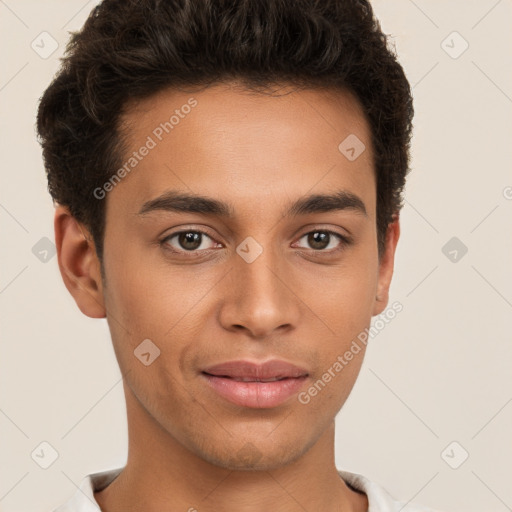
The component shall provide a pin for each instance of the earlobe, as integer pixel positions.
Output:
(386, 266)
(78, 263)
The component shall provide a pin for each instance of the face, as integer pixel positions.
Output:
(256, 271)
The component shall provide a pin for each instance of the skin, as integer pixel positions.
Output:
(188, 447)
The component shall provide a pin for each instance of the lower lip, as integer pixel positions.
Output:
(259, 395)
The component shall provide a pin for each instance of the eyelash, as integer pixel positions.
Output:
(345, 242)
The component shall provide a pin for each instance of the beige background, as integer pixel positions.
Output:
(438, 373)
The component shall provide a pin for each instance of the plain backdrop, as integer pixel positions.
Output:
(435, 387)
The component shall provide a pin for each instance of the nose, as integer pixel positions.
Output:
(259, 297)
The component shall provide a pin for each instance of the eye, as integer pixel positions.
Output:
(192, 242)
(188, 241)
(323, 240)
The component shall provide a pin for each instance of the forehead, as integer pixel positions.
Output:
(246, 146)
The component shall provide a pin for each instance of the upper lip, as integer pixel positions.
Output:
(243, 369)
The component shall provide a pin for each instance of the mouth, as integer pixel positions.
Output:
(248, 379)
(255, 385)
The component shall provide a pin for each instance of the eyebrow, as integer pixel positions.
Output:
(180, 202)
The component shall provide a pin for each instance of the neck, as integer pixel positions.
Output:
(162, 474)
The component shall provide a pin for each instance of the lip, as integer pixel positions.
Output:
(255, 385)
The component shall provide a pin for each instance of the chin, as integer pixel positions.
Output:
(255, 455)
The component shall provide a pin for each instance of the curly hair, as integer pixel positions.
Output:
(131, 49)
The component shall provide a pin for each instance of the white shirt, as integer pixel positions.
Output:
(378, 499)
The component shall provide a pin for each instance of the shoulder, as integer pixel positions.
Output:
(379, 500)
(83, 499)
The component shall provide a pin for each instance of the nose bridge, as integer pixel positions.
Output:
(258, 298)
(257, 275)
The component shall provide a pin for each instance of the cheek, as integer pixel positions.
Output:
(345, 305)
(145, 301)
(344, 300)
(133, 283)
(329, 390)
(132, 313)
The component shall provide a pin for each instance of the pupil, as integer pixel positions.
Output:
(318, 240)
(190, 241)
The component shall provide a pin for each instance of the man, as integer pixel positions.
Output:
(228, 179)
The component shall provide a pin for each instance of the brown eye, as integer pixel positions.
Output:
(324, 240)
(318, 240)
(187, 241)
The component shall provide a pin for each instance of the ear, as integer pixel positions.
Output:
(386, 266)
(78, 263)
